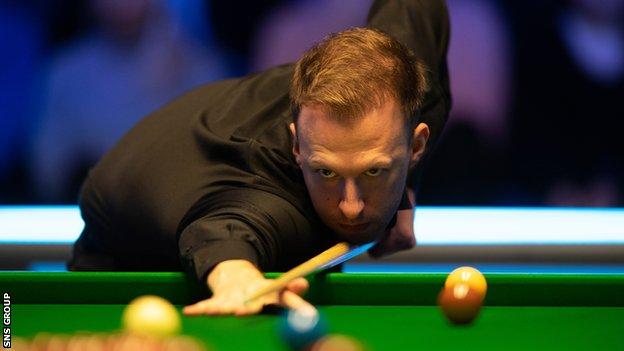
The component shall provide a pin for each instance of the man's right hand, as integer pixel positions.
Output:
(232, 282)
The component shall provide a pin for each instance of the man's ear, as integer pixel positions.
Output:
(419, 143)
(295, 141)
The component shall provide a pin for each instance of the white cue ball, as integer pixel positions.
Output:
(151, 315)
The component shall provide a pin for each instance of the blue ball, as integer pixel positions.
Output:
(301, 328)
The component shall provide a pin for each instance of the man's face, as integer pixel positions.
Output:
(355, 171)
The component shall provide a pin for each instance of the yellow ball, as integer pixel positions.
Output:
(151, 315)
(470, 276)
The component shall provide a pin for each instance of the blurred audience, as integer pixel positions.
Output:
(567, 111)
(235, 24)
(136, 58)
(536, 87)
(294, 27)
(22, 44)
(469, 165)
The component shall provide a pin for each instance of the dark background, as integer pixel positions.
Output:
(538, 86)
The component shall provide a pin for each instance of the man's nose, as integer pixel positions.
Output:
(351, 204)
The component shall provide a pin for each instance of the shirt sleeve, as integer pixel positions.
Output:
(216, 238)
(423, 27)
(93, 251)
(248, 224)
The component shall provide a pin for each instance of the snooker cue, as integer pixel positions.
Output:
(302, 270)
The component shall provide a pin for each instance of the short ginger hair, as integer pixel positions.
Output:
(354, 71)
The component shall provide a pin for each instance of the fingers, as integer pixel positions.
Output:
(299, 286)
(287, 299)
(208, 307)
(229, 304)
(223, 306)
(392, 243)
(290, 300)
(377, 250)
(399, 237)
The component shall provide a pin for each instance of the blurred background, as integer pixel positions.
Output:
(537, 88)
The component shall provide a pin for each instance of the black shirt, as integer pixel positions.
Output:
(211, 176)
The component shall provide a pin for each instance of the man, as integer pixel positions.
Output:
(237, 178)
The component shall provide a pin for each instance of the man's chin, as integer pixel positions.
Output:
(357, 237)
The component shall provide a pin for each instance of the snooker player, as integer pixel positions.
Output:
(263, 172)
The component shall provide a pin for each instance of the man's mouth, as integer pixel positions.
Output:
(354, 227)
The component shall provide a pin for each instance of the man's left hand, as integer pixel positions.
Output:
(399, 237)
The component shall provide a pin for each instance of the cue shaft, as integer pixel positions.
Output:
(303, 269)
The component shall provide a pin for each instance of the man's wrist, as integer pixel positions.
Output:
(231, 270)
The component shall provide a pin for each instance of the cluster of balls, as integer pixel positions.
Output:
(307, 330)
(149, 323)
(105, 342)
(462, 295)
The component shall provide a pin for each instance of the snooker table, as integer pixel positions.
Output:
(385, 311)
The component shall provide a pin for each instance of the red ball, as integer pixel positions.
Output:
(460, 303)
(338, 342)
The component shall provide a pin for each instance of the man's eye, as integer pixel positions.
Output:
(326, 173)
(373, 172)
